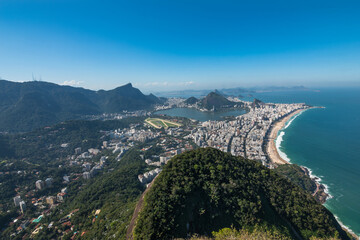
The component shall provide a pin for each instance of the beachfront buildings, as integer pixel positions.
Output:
(246, 134)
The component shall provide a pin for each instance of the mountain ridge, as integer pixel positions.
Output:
(29, 105)
(216, 101)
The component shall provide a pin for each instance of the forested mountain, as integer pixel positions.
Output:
(28, 105)
(205, 190)
(191, 100)
(216, 101)
(257, 103)
(296, 175)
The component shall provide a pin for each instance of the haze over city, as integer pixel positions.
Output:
(168, 45)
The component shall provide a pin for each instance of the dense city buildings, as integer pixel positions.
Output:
(158, 139)
(246, 134)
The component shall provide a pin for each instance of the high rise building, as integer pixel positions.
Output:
(87, 166)
(17, 201)
(50, 200)
(40, 184)
(86, 175)
(78, 150)
(49, 182)
(22, 206)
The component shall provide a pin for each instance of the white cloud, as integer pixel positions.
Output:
(189, 83)
(72, 83)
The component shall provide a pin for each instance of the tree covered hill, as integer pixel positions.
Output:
(43, 144)
(257, 103)
(191, 100)
(29, 105)
(206, 190)
(216, 101)
(296, 175)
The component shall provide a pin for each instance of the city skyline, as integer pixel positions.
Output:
(161, 45)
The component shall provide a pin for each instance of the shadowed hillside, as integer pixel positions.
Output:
(29, 105)
(216, 101)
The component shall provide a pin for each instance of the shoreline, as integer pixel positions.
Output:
(322, 192)
(271, 149)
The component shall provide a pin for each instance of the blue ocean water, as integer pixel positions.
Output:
(328, 142)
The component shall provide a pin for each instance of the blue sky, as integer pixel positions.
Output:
(181, 44)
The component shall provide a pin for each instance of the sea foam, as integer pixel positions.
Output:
(344, 226)
(279, 139)
(319, 180)
(292, 119)
(283, 155)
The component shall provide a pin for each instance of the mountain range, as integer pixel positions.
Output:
(29, 105)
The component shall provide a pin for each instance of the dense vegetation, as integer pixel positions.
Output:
(254, 233)
(43, 145)
(38, 154)
(205, 190)
(217, 101)
(114, 193)
(296, 175)
(257, 103)
(191, 100)
(29, 105)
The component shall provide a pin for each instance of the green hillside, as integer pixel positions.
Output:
(191, 100)
(29, 105)
(206, 190)
(297, 176)
(216, 101)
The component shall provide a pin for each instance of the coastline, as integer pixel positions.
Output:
(321, 193)
(271, 149)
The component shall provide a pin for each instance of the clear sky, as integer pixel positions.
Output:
(181, 44)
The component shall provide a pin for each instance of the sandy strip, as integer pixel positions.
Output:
(169, 122)
(271, 147)
(151, 124)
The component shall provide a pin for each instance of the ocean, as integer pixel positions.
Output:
(327, 141)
